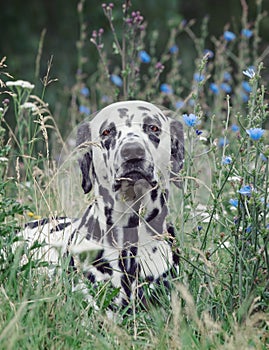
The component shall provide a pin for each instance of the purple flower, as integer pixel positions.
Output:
(214, 88)
(144, 56)
(84, 110)
(198, 77)
(245, 190)
(247, 33)
(190, 120)
(227, 160)
(229, 36)
(235, 128)
(116, 80)
(246, 86)
(165, 88)
(234, 202)
(159, 66)
(85, 91)
(173, 49)
(226, 87)
(255, 133)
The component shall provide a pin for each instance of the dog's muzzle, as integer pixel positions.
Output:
(135, 165)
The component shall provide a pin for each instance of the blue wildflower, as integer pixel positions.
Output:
(227, 160)
(263, 157)
(214, 88)
(191, 102)
(255, 133)
(190, 120)
(116, 80)
(244, 96)
(234, 202)
(227, 76)
(223, 141)
(229, 36)
(248, 229)
(106, 99)
(209, 53)
(144, 56)
(84, 110)
(198, 132)
(199, 228)
(263, 201)
(246, 86)
(245, 190)
(198, 77)
(235, 128)
(166, 89)
(250, 72)
(85, 91)
(173, 49)
(247, 33)
(179, 104)
(226, 87)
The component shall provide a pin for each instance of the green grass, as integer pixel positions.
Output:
(220, 297)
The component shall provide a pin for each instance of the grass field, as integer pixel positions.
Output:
(221, 214)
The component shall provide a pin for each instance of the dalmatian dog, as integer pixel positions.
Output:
(128, 156)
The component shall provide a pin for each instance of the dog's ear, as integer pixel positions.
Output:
(177, 149)
(85, 155)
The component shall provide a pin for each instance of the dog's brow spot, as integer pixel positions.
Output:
(142, 108)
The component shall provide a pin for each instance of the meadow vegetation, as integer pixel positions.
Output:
(221, 214)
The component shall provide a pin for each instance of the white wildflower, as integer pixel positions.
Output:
(225, 244)
(20, 83)
(250, 73)
(29, 105)
(3, 159)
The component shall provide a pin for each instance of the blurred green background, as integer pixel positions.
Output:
(23, 21)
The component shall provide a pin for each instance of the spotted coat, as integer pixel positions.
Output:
(129, 153)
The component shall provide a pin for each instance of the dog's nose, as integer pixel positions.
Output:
(132, 150)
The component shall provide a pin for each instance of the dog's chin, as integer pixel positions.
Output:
(132, 177)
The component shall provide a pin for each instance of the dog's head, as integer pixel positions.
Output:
(130, 142)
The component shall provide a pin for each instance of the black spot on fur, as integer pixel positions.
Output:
(108, 214)
(153, 214)
(37, 223)
(149, 279)
(123, 260)
(102, 264)
(104, 193)
(84, 217)
(60, 227)
(154, 249)
(90, 276)
(142, 108)
(154, 194)
(123, 112)
(133, 221)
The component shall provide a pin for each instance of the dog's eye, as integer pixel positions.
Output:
(154, 128)
(106, 132)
